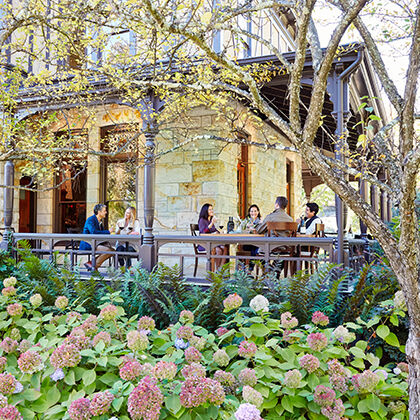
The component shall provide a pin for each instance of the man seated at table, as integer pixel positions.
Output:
(278, 215)
(311, 219)
(94, 226)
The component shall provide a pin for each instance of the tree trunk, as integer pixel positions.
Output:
(413, 358)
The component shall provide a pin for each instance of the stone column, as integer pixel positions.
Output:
(9, 180)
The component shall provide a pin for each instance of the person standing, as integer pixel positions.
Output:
(94, 226)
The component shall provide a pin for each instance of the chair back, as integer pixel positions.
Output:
(319, 230)
(282, 228)
(195, 232)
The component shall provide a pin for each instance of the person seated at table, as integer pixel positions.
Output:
(252, 219)
(278, 215)
(207, 224)
(128, 225)
(94, 226)
(311, 219)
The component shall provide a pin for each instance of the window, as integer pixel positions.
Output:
(71, 188)
(119, 173)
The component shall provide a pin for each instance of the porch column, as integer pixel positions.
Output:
(383, 203)
(151, 107)
(363, 188)
(341, 114)
(9, 180)
(389, 208)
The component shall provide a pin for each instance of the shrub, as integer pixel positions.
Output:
(71, 364)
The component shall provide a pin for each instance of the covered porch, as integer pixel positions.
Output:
(347, 83)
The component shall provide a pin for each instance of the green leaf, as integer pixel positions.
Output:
(362, 140)
(53, 396)
(382, 331)
(70, 379)
(392, 340)
(358, 363)
(173, 403)
(394, 320)
(287, 404)
(109, 379)
(117, 403)
(30, 394)
(374, 117)
(359, 353)
(206, 17)
(89, 377)
(259, 330)
(369, 109)
(363, 406)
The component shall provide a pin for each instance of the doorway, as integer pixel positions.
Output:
(27, 206)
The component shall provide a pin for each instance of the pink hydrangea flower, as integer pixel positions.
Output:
(146, 323)
(8, 345)
(288, 321)
(90, 326)
(3, 401)
(324, 396)
(130, 370)
(185, 332)
(319, 318)
(7, 383)
(248, 412)
(24, 345)
(79, 409)
(338, 383)
(137, 340)
(292, 378)
(221, 331)
(101, 403)
(317, 341)
(334, 411)
(247, 376)
(252, 396)
(225, 378)
(292, 336)
(61, 302)
(198, 391)
(15, 334)
(194, 370)
(102, 336)
(9, 291)
(186, 317)
(10, 412)
(192, 355)
(233, 301)
(247, 349)
(145, 401)
(334, 366)
(366, 381)
(66, 355)
(165, 370)
(15, 309)
(78, 338)
(403, 367)
(73, 316)
(30, 362)
(309, 362)
(221, 357)
(109, 313)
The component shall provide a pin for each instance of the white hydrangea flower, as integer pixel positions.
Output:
(399, 301)
(342, 334)
(259, 303)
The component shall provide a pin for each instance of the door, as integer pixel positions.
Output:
(27, 206)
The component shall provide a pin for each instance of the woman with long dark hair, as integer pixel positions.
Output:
(207, 224)
(253, 218)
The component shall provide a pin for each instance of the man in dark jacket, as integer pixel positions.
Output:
(278, 215)
(94, 226)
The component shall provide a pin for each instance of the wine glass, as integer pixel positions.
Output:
(221, 227)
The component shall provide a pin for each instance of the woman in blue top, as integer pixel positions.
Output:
(206, 224)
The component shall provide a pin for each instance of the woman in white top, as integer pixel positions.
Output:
(129, 225)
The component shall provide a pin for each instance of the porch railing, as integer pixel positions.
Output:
(47, 244)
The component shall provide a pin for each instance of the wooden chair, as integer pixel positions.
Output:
(194, 232)
(286, 229)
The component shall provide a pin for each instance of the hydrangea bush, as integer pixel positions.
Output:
(73, 365)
